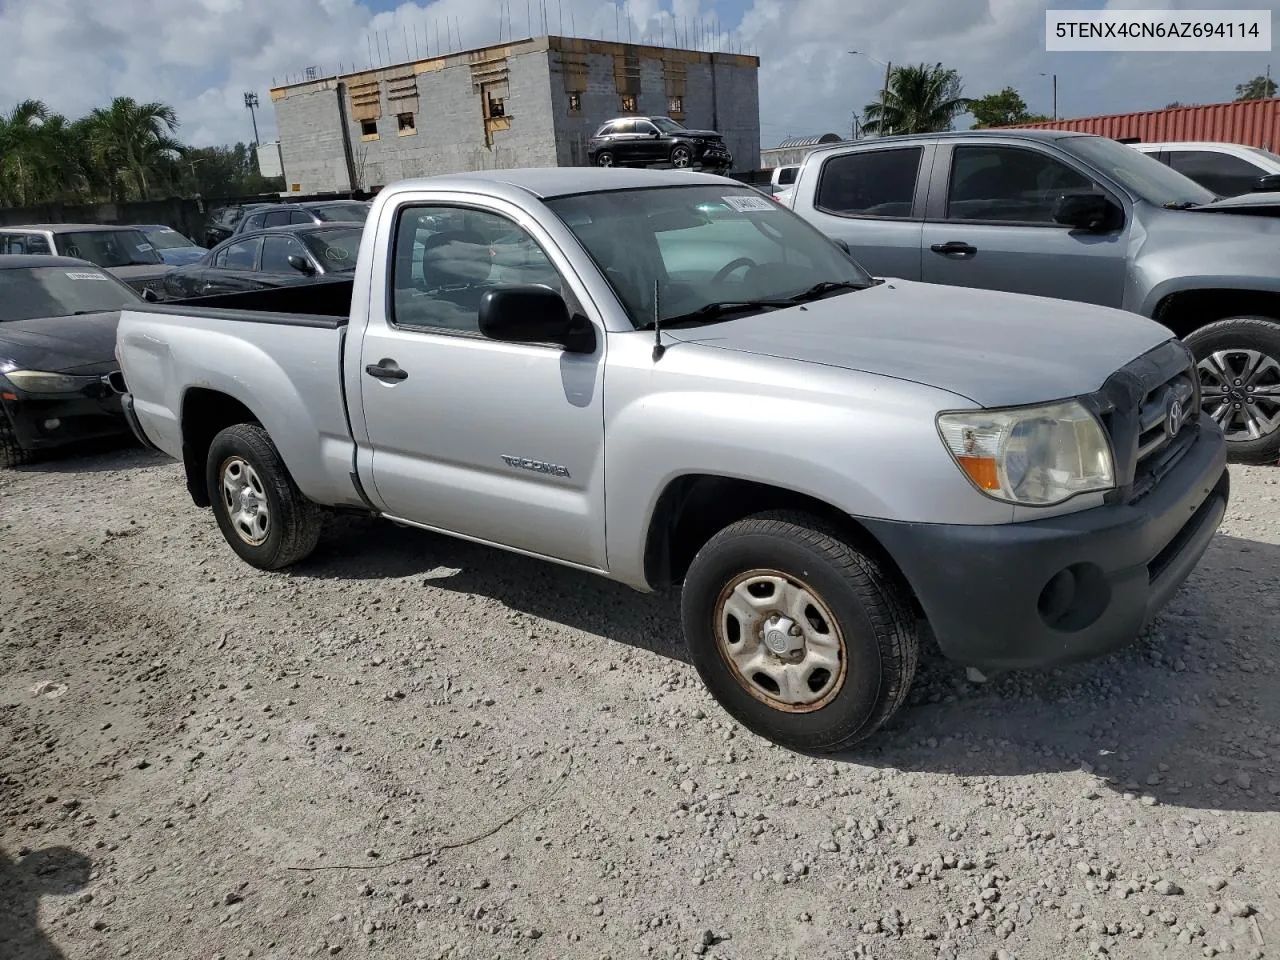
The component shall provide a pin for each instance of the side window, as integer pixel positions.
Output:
(623, 126)
(241, 255)
(645, 127)
(220, 258)
(446, 258)
(276, 218)
(276, 252)
(24, 243)
(1225, 175)
(872, 183)
(253, 222)
(300, 216)
(1009, 184)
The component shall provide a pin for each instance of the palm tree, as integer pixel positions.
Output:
(131, 142)
(921, 99)
(20, 152)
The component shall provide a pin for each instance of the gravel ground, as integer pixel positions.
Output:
(413, 747)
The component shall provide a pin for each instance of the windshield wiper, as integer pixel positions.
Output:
(720, 308)
(826, 286)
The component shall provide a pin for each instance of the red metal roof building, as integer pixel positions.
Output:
(1255, 123)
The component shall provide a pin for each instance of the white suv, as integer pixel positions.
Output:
(1228, 169)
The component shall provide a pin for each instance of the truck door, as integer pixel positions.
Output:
(990, 225)
(873, 200)
(498, 442)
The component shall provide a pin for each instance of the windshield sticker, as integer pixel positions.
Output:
(87, 276)
(144, 247)
(744, 204)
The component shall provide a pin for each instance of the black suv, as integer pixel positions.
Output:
(641, 141)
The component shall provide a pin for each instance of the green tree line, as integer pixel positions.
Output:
(927, 98)
(124, 151)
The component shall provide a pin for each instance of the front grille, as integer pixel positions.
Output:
(1137, 403)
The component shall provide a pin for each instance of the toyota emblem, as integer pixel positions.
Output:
(1173, 423)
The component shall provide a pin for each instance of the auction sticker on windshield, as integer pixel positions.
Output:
(750, 204)
(87, 276)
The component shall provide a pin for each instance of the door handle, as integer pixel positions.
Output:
(954, 247)
(386, 369)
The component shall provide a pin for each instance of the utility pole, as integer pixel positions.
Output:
(1055, 92)
(251, 102)
(884, 93)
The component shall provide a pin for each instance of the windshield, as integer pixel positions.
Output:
(346, 212)
(335, 249)
(667, 125)
(60, 292)
(1144, 175)
(108, 248)
(701, 245)
(164, 238)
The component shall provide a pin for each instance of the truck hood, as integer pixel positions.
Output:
(996, 349)
(59, 344)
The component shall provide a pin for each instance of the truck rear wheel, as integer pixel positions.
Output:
(1238, 360)
(799, 635)
(261, 512)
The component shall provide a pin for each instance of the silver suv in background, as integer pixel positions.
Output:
(1077, 217)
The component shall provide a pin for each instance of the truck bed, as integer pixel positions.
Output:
(296, 304)
(277, 353)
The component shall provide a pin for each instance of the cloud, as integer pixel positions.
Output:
(201, 55)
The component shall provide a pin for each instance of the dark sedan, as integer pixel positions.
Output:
(58, 321)
(273, 257)
(646, 141)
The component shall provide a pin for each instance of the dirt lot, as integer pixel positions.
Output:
(413, 747)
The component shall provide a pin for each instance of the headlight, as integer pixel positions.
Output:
(36, 381)
(1036, 456)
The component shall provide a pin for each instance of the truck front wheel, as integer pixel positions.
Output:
(260, 510)
(799, 635)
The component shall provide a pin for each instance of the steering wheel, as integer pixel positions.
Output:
(723, 273)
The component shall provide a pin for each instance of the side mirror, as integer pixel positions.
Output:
(150, 295)
(656, 134)
(532, 313)
(301, 264)
(1267, 183)
(1085, 211)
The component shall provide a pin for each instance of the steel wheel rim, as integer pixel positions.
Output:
(1240, 390)
(245, 499)
(680, 158)
(780, 640)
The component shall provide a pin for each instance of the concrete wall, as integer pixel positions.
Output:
(450, 131)
(309, 129)
(731, 105)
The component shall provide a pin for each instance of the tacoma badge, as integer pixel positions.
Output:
(537, 466)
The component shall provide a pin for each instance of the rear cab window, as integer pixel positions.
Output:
(870, 183)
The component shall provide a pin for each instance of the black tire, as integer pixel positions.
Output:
(12, 454)
(871, 613)
(604, 159)
(1232, 337)
(294, 521)
(681, 156)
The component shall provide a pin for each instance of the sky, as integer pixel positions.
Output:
(200, 56)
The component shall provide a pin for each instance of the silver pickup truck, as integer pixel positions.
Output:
(667, 378)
